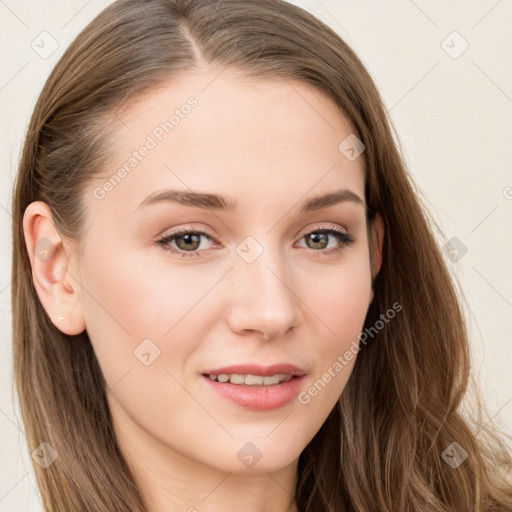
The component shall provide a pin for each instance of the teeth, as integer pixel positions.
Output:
(236, 379)
(251, 380)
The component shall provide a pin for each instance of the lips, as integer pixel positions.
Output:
(254, 369)
(264, 397)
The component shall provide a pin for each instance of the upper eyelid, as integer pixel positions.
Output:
(301, 233)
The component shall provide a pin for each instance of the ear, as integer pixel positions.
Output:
(50, 259)
(376, 244)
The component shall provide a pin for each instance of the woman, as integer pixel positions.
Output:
(227, 294)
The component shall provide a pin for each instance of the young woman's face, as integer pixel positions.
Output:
(264, 286)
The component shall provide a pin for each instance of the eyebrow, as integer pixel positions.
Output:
(222, 203)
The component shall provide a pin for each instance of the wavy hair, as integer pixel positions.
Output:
(381, 448)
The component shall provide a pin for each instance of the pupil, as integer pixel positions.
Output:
(189, 238)
(315, 237)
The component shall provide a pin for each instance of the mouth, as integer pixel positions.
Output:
(262, 391)
(251, 380)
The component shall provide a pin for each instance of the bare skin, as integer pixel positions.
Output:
(268, 147)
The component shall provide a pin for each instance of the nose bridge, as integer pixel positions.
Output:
(263, 299)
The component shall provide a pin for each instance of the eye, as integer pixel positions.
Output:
(187, 241)
(320, 240)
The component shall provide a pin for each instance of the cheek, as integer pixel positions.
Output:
(137, 297)
(136, 306)
(122, 307)
(340, 297)
(340, 300)
(348, 308)
(137, 321)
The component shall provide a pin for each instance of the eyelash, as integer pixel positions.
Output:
(343, 237)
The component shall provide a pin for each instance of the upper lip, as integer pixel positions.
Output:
(254, 369)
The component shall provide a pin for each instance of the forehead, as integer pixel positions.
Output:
(222, 132)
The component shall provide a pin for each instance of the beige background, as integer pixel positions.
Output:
(453, 113)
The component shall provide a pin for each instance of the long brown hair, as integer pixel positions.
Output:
(381, 448)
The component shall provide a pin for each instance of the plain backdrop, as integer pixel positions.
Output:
(445, 74)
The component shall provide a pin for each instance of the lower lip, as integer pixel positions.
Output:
(258, 398)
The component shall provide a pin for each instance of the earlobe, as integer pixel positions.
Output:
(50, 259)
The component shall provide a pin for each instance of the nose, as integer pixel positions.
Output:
(262, 299)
